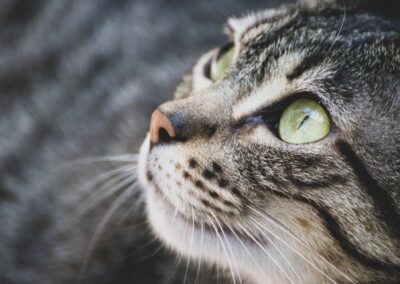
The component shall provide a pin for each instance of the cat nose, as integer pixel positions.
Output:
(161, 128)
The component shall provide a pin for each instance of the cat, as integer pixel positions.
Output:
(278, 159)
(71, 88)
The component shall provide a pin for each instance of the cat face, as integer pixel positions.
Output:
(277, 157)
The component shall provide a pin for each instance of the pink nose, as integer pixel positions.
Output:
(160, 127)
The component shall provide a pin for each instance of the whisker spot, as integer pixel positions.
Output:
(199, 184)
(208, 174)
(222, 182)
(236, 192)
(213, 194)
(205, 203)
(192, 163)
(228, 203)
(216, 168)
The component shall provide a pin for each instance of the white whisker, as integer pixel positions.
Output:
(157, 250)
(340, 29)
(104, 176)
(146, 245)
(247, 250)
(229, 247)
(123, 179)
(132, 208)
(266, 252)
(278, 224)
(128, 158)
(273, 222)
(277, 248)
(177, 263)
(191, 246)
(201, 251)
(224, 249)
(218, 249)
(103, 222)
(296, 252)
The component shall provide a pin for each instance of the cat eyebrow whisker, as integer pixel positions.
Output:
(340, 29)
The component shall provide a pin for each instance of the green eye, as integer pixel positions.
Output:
(303, 121)
(221, 63)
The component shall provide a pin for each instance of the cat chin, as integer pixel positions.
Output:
(182, 236)
(190, 241)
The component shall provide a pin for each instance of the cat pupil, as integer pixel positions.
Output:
(303, 121)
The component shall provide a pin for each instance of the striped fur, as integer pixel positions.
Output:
(274, 212)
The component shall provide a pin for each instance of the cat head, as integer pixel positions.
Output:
(278, 156)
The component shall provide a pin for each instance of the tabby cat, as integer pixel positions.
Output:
(278, 159)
